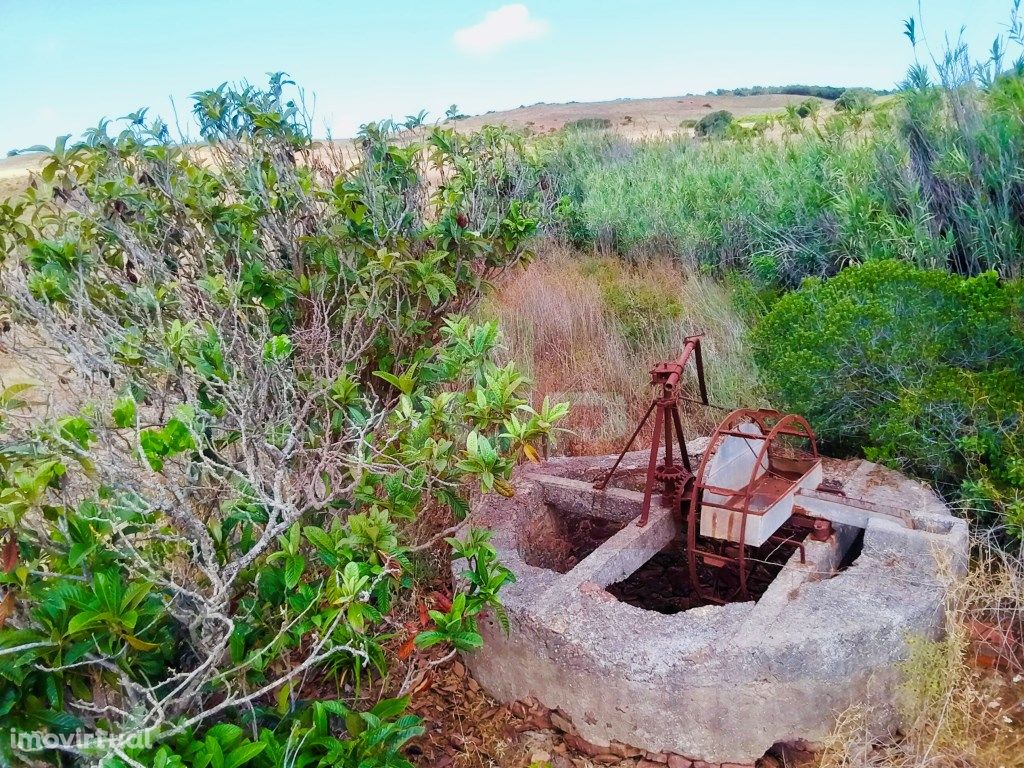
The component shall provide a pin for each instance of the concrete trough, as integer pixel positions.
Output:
(718, 684)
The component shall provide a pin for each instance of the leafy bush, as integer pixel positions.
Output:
(855, 100)
(271, 380)
(920, 369)
(588, 124)
(808, 108)
(714, 124)
(829, 92)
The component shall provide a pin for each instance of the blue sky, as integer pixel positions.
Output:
(66, 63)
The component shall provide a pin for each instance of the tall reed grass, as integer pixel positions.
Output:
(930, 176)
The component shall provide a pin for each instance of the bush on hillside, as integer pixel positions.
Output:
(714, 124)
(588, 124)
(271, 380)
(808, 107)
(855, 100)
(920, 369)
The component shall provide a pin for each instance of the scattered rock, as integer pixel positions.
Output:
(624, 750)
(678, 761)
(656, 757)
(540, 756)
(561, 723)
(582, 745)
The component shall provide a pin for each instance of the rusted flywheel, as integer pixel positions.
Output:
(782, 447)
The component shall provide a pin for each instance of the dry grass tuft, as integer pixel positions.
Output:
(962, 700)
(588, 328)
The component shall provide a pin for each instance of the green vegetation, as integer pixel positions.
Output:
(588, 124)
(829, 92)
(911, 179)
(854, 100)
(714, 124)
(922, 368)
(272, 379)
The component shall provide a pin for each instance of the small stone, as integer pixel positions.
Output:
(540, 756)
(624, 750)
(561, 723)
(648, 764)
(607, 758)
(582, 745)
(657, 757)
(678, 761)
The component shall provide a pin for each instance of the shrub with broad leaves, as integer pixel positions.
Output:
(272, 375)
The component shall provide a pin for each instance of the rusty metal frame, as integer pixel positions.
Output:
(675, 478)
(771, 425)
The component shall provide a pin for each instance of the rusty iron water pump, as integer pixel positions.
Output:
(737, 508)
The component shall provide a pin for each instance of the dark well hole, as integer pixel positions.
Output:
(662, 584)
(853, 552)
(558, 540)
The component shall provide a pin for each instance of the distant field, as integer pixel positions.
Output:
(14, 172)
(631, 118)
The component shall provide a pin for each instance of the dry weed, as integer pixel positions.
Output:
(588, 328)
(962, 699)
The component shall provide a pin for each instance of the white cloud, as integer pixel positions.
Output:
(509, 24)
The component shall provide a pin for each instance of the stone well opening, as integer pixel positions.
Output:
(606, 629)
(558, 539)
(663, 583)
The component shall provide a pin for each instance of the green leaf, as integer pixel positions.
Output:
(293, 570)
(124, 412)
(278, 349)
(243, 754)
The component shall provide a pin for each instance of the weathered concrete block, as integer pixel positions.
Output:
(715, 684)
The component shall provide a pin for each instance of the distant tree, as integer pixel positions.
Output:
(452, 113)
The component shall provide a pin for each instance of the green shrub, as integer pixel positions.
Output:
(808, 108)
(855, 100)
(714, 124)
(643, 311)
(588, 124)
(919, 369)
(271, 380)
